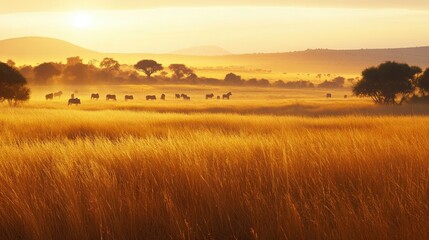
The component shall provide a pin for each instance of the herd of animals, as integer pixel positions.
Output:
(96, 96)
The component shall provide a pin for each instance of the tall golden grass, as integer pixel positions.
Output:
(109, 174)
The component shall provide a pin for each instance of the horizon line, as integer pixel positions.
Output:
(231, 52)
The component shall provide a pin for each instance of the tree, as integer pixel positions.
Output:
(45, 72)
(110, 64)
(232, 79)
(339, 81)
(180, 70)
(389, 83)
(27, 72)
(423, 82)
(250, 82)
(74, 60)
(11, 63)
(264, 83)
(12, 85)
(149, 67)
(78, 73)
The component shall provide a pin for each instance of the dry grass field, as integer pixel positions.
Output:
(268, 164)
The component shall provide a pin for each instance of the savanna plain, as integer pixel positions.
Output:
(267, 164)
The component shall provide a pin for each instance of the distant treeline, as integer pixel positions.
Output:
(110, 71)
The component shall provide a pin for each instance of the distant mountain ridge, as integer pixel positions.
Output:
(203, 51)
(32, 50)
(50, 48)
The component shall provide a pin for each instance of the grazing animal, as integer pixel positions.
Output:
(177, 96)
(185, 97)
(129, 97)
(328, 95)
(209, 96)
(150, 97)
(110, 97)
(75, 101)
(58, 94)
(218, 97)
(163, 96)
(95, 96)
(345, 96)
(226, 96)
(49, 96)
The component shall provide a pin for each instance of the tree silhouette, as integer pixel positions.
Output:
(423, 82)
(149, 67)
(74, 60)
(11, 63)
(110, 64)
(12, 85)
(232, 79)
(180, 70)
(45, 72)
(389, 83)
(78, 73)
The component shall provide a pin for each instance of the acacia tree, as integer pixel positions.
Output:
(180, 71)
(110, 64)
(389, 83)
(149, 67)
(12, 85)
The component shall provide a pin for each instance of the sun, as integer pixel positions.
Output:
(81, 20)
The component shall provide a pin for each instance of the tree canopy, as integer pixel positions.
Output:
(149, 67)
(12, 85)
(74, 60)
(46, 71)
(389, 83)
(180, 71)
(110, 64)
(233, 79)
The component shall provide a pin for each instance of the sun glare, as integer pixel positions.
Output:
(81, 20)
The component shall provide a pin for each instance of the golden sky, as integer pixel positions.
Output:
(245, 26)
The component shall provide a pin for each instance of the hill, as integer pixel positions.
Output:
(40, 49)
(33, 50)
(203, 51)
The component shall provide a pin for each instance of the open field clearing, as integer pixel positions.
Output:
(256, 101)
(108, 174)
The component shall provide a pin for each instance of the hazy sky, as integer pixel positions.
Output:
(245, 26)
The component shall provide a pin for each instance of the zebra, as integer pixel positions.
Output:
(95, 96)
(110, 97)
(58, 94)
(49, 96)
(226, 96)
(75, 101)
(150, 97)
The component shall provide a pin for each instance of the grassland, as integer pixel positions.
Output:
(143, 170)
